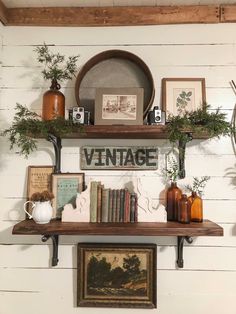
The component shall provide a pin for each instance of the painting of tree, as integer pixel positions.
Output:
(117, 274)
(122, 276)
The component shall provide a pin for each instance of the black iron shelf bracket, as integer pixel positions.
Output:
(56, 141)
(55, 242)
(180, 247)
(182, 148)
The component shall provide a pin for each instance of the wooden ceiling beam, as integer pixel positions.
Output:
(228, 13)
(113, 16)
(3, 13)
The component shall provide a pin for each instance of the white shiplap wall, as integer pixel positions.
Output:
(208, 282)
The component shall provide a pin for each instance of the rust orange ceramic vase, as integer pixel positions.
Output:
(53, 102)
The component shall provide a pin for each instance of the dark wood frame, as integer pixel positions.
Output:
(147, 301)
(164, 90)
(55, 177)
(137, 91)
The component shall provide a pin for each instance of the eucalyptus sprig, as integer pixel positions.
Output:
(28, 125)
(198, 185)
(56, 67)
(172, 170)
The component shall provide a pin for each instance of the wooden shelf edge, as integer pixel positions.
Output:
(126, 132)
(206, 228)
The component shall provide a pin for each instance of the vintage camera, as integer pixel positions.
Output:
(155, 116)
(79, 115)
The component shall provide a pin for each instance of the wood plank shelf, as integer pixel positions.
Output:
(206, 228)
(55, 228)
(127, 132)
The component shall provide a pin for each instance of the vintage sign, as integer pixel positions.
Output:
(119, 158)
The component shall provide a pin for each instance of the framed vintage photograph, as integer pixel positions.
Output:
(119, 106)
(65, 187)
(38, 180)
(179, 94)
(117, 275)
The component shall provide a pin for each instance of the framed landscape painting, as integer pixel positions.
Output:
(117, 275)
(182, 94)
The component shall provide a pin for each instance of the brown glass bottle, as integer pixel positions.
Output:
(184, 210)
(173, 196)
(53, 103)
(196, 207)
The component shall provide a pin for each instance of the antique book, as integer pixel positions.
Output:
(114, 206)
(122, 204)
(127, 206)
(117, 205)
(99, 202)
(93, 201)
(110, 206)
(105, 205)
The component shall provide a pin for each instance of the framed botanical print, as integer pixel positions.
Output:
(182, 94)
(65, 187)
(117, 275)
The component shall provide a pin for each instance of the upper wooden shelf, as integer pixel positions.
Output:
(206, 228)
(126, 132)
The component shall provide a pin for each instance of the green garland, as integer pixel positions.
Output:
(214, 124)
(28, 125)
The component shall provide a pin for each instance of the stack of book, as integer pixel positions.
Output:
(111, 205)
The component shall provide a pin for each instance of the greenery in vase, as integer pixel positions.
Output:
(198, 185)
(172, 171)
(56, 67)
(28, 125)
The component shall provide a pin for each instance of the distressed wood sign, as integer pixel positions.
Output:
(118, 158)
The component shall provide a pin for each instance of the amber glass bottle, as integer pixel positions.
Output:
(196, 207)
(184, 210)
(173, 195)
(53, 102)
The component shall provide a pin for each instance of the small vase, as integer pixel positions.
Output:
(196, 207)
(184, 210)
(53, 102)
(173, 195)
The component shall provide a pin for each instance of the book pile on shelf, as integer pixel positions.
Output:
(112, 205)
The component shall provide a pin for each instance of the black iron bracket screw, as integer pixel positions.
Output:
(180, 260)
(55, 241)
(56, 141)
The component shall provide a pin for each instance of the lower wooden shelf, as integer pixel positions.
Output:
(206, 228)
(183, 232)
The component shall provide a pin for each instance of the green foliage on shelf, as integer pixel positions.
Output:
(214, 124)
(56, 67)
(28, 125)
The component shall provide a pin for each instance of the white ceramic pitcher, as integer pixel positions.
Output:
(41, 211)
